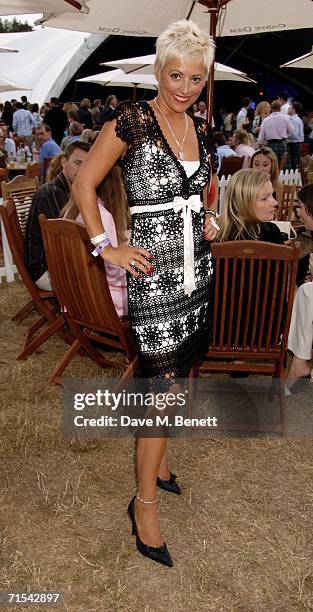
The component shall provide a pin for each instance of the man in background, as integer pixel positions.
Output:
(23, 123)
(109, 108)
(57, 119)
(283, 99)
(48, 146)
(243, 112)
(294, 140)
(275, 130)
(49, 199)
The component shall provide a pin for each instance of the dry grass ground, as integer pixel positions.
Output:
(240, 535)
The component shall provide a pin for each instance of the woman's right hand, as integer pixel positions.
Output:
(129, 257)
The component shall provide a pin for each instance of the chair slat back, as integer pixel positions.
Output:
(79, 279)
(287, 203)
(306, 168)
(254, 288)
(230, 165)
(15, 238)
(21, 190)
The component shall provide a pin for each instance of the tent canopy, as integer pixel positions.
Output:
(47, 60)
(144, 65)
(150, 17)
(304, 61)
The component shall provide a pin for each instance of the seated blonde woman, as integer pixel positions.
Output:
(248, 209)
(242, 146)
(113, 209)
(265, 160)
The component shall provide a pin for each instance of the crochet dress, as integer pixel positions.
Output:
(168, 311)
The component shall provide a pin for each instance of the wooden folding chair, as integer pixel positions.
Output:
(81, 287)
(4, 176)
(33, 170)
(306, 169)
(286, 205)
(21, 190)
(43, 301)
(254, 290)
(230, 165)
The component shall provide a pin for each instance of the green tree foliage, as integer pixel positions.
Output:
(14, 26)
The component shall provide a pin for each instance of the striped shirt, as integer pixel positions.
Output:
(23, 122)
(49, 200)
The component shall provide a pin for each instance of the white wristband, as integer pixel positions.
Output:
(97, 239)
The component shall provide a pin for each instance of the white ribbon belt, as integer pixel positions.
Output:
(186, 206)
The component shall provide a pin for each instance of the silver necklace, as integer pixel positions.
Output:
(180, 145)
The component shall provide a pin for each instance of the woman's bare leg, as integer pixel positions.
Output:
(150, 452)
(164, 471)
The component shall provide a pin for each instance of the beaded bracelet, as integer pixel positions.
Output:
(100, 246)
(97, 239)
(210, 212)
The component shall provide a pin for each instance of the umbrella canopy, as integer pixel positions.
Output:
(118, 78)
(8, 85)
(304, 61)
(6, 50)
(149, 18)
(22, 7)
(144, 65)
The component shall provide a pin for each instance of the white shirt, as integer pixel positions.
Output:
(284, 108)
(241, 115)
(9, 147)
(275, 127)
(297, 124)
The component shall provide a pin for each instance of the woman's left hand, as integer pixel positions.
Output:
(210, 228)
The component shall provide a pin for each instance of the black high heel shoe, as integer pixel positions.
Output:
(169, 485)
(160, 554)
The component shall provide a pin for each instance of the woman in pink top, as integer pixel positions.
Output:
(242, 147)
(114, 199)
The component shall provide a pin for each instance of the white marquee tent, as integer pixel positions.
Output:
(47, 59)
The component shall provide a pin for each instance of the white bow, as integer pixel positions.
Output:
(186, 206)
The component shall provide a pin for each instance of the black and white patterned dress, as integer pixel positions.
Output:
(169, 311)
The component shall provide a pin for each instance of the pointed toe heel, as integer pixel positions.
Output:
(169, 485)
(159, 554)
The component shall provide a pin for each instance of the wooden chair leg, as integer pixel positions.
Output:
(131, 369)
(93, 353)
(39, 340)
(63, 363)
(24, 312)
(283, 408)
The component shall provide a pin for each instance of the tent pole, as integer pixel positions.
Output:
(214, 7)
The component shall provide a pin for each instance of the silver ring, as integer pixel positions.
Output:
(132, 263)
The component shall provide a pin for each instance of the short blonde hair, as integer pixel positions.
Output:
(184, 39)
(241, 137)
(239, 218)
(262, 107)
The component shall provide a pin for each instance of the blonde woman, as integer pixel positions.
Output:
(262, 110)
(167, 162)
(242, 146)
(249, 208)
(265, 160)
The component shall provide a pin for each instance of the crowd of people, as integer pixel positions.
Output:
(159, 265)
